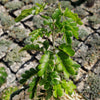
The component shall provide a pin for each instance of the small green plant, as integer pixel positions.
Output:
(7, 92)
(55, 66)
(3, 75)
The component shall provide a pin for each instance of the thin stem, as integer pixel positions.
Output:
(53, 41)
(53, 37)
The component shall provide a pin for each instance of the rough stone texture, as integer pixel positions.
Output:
(87, 47)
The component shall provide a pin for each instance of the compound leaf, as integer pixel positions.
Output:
(33, 87)
(66, 66)
(67, 49)
(58, 91)
(31, 47)
(28, 74)
(44, 61)
(75, 17)
(56, 13)
(24, 14)
(68, 86)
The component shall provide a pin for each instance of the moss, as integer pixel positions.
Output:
(28, 1)
(17, 33)
(4, 1)
(32, 1)
(65, 4)
(92, 87)
(49, 11)
(7, 92)
(3, 75)
(6, 20)
(14, 5)
(38, 1)
(51, 1)
(38, 21)
(75, 43)
(83, 33)
(14, 56)
(27, 40)
(4, 45)
(93, 20)
(81, 13)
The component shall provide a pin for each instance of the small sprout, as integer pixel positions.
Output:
(3, 75)
(7, 92)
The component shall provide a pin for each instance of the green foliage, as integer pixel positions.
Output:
(58, 91)
(56, 58)
(32, 47)
(28, 74)
(7, 92)
(33, 86)
(68, 86)
(34, 10)
(3, 75)
(44, 62)
(67, 49)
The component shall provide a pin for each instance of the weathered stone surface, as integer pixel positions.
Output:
(1, 31)
(2, 9)
(11, 79)
(5, 46)
(84, 32)
(87, 47)
(81, 13)
(27, 66)
(14, 5)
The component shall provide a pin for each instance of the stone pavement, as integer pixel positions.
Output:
(14, 36)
